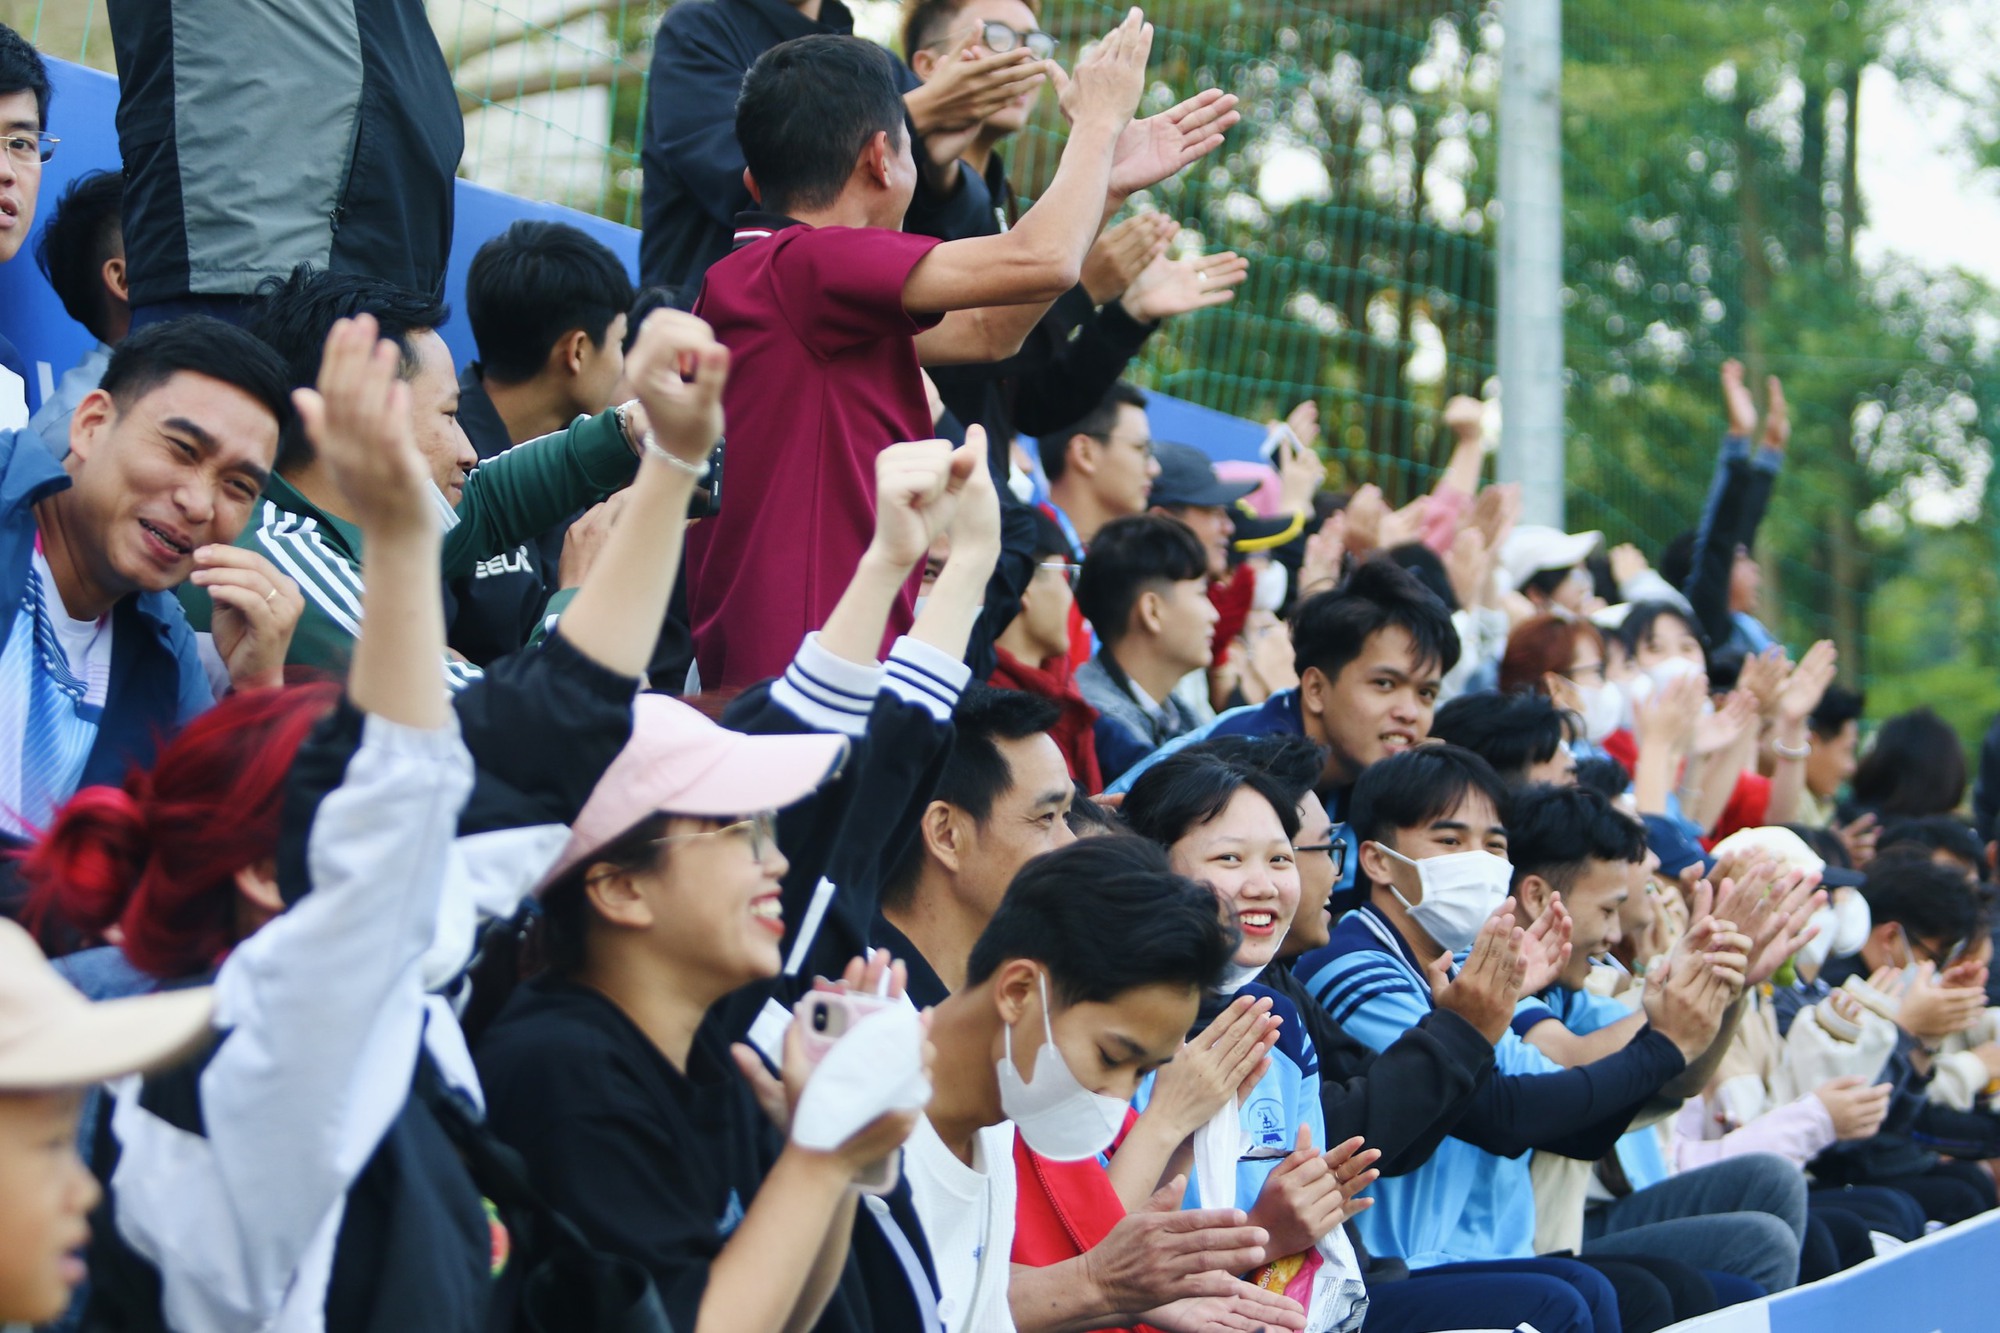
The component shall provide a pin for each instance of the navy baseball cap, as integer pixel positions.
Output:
(1187, 480)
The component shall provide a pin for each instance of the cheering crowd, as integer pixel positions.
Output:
(769, 801)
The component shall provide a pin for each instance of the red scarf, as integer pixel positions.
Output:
(1074, 732)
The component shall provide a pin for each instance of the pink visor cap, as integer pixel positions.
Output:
(679, 762)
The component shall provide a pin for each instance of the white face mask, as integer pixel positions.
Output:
(1460, 891)
(1056, 1115)
(1603, 709)
(1272, 581)
(1843, 928)
(923, 598)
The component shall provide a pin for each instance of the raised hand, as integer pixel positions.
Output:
(1486, 988)
(1125, 251)
(1764, 675)
(1931, 1011)
(1496, 511)
(1300, 470)
(1736, 399)
(1859, 838)
(965, 88)
(1545, 949)
(973, 515)
(1465, 417)
(1665, 718)
(256, 610)
(1627, 563)
(910, 478)
(358, 418)
(1725, 726)
(1304, 421)
(1308, 1194)
(1777, 416)
(1808, 683)
(1104, 89)
(1170, 287)
(1325, 552)
(1151, 150)
(678, 370)
(1224, 1060)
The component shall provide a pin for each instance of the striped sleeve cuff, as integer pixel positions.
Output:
(826, 692)
(923, 675)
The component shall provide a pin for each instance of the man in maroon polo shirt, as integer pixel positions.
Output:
(828, 308)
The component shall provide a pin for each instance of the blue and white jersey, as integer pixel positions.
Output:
(1464, 1204)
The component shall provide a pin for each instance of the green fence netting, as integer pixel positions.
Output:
(1713, 203)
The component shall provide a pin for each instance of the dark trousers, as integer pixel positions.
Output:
(1552, 1295)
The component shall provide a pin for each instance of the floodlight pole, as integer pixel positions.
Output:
(1531, 239)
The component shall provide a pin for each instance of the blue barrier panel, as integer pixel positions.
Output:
(1943, 1283)
(83, 114)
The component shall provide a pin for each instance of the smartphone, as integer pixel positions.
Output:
(1279, 437)
(827, 1016)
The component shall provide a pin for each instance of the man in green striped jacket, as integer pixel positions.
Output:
(488, 508)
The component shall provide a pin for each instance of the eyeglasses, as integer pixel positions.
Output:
(1336, 852)
(1586, 673)
(30, 147)
(1000, 39)
(761, 829)
(1145, 447)
(1068, 570)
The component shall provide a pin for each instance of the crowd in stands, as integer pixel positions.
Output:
(770, 801)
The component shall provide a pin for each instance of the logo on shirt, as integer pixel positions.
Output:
(732, 1214)
(1267, 1122)
(514, 562)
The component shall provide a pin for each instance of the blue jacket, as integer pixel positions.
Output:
(157, 681)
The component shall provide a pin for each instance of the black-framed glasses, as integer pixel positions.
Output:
(29, 146)
(998, 38)
(1069, 569)
(1336, 852)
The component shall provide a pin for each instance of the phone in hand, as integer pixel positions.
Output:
(1279, 437)
(827, 1016)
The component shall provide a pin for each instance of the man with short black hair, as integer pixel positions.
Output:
(301, 522)
(547, 304)
(1144, 589)
(24, 145)
(1000, 802)
(165, 463)
(1524, 736)
(1100, 467)
(1099, 950)
(828, 308)
(693, 166)
(81, 252)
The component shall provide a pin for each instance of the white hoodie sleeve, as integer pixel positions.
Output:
(322, 1013)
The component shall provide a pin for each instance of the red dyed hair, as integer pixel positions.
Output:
(1539, 645)
(158, 857)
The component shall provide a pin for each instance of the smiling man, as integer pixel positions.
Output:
(166, 460)
(489, 509)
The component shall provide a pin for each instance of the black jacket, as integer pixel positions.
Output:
(321, 131)
(1402, 1101)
